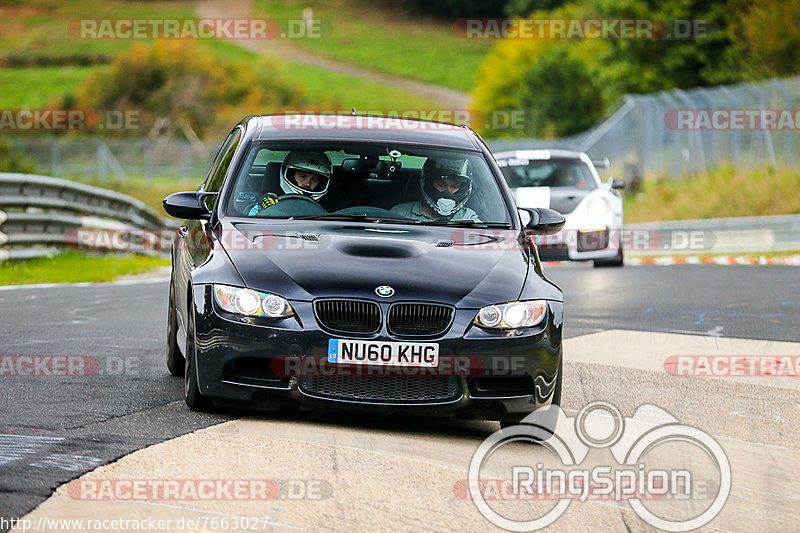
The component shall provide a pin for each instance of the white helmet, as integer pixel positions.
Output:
(456, 168)
(315, 162)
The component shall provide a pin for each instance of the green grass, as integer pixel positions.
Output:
(73, 267)
(37, 87)
(724, 193)
(378, 37)
(326, 87)
(41, 29)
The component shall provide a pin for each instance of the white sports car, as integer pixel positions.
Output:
(568, 182)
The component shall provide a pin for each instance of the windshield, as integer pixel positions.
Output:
(564, 172)
(366, 181)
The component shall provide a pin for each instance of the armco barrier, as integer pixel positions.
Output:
(36, 212)
(735, 235)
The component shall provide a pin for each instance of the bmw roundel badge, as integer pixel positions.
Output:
(384, 291)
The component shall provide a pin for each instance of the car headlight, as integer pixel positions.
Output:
(248, 302)
(511, 315)
(598, 207)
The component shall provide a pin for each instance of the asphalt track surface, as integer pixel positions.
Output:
(53, 430)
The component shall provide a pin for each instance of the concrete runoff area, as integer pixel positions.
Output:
(343, 473)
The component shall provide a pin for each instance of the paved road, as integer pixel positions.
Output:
(54, 429)
(732, 301)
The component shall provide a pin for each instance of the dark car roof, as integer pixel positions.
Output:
(361, 128)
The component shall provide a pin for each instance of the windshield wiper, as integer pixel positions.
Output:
(360, 217)
(469, 223)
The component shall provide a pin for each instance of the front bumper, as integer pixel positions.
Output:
(583, 239)
(509, 375)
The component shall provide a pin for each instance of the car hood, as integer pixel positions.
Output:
(303, 260)
(561, 199)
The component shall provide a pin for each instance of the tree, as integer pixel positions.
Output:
(561, 96)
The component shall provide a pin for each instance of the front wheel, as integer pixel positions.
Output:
(191, 390)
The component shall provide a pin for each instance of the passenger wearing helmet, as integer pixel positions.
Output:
(446, 187)
(304, 173)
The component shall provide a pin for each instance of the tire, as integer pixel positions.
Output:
(191, 390)
(176, 363)
(556, 399)
(618, 261)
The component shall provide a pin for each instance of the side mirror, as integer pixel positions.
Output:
(543, 221)
(616, 183)
(186, 205)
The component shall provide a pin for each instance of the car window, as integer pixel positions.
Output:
(220, 167)
(366, 179)
(560, 173)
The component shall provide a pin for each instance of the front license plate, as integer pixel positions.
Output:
(383, 353)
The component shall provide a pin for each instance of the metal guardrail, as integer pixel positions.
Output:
(40, 214)
(735, 235)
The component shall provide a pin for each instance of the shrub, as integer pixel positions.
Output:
(14, 161)
(182, 80)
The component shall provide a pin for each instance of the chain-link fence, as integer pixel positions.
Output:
(667, 134)
(105, 158)
(678, 133)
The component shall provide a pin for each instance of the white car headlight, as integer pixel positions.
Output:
(511, 315)
(598, 207)
(248, 302)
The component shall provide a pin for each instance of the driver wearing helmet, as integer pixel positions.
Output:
(304, 173)
(446, 187)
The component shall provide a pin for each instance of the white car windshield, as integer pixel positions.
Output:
(557, 172)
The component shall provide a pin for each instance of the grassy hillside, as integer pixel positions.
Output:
(35, 34)
(724, 193)
(377, 36)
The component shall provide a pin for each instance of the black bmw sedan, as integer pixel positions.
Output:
(361, 262)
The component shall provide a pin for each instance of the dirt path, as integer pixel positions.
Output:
(447, 98)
